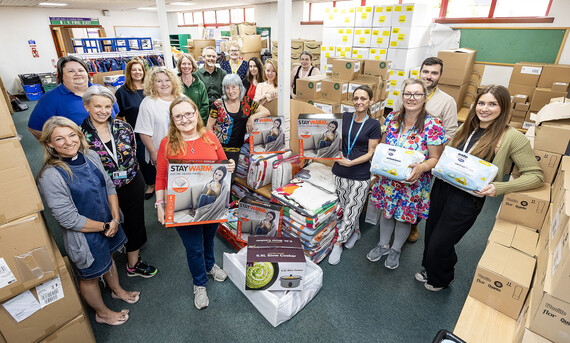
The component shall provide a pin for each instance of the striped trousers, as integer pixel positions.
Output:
(352, 195)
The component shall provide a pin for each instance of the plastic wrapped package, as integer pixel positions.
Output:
(394, 162)
(276, 306)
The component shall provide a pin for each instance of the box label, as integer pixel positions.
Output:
(50, 291)
(356, 66)
(6, 275)
(531, 70)
(402, 19)
(22, 306)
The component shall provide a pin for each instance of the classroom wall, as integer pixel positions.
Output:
(20, 24)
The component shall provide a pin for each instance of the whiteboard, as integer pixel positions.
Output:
(138, 31)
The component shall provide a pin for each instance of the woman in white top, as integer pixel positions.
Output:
(161, 87)
(305, 69)
(267, 91)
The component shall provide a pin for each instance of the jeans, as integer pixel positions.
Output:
(198, 241)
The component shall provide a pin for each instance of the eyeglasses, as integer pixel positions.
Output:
(416, 96)
(188, 115)
(234, 50)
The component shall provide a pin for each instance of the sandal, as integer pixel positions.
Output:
(132, 300)
(123, 319)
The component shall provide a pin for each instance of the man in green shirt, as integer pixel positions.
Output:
(211, 75)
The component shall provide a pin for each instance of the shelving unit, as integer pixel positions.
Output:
(96, 45)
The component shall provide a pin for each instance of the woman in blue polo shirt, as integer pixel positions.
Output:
(66, 99)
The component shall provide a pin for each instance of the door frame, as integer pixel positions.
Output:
(58, 47)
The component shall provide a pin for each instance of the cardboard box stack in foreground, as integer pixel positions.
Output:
(37, 291)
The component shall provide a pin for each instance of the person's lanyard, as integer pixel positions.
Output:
(431, 94)
(350, 146)
(234, 70)
(112, 153)
(468, 141)
(401, 137)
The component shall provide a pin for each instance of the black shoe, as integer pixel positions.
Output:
(142, 269)
(147, 196)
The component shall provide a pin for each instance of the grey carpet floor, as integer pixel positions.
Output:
(360, 301)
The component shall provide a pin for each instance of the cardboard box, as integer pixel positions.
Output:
(380, 38)
(553, 73)
(559, 87)
(397, 78)
(527, 208)
(343, 51)
(362, 36)
(542, 97)
(20, 194)
(312, 46)
(77, 330)
(7, 128)
(346, 17)
(297, 45)
(318, 136)
(377, 68)
(378, 54)
(364, 16)
(405, 59)
(327, 106)
(247, 29)
(334, 90)
(547, 161)
(346, 69)
(411, 15)
(457, 66)
(562, 179)
(559, 216)
(552, 132)
(25, 263)
(519, 98)
(515, 236)
(382, 16)
(194, 196)
(403, 37)
(526, 73)
(359, 82)
(329, 19)
(360, 53)
(522, 106)
(456, 92)
(503, 278)
(380, 87)
(522, 89)
(309, 87)
(520, 115)
(528, 336)
(251, 43)
(275, 264)
(346, 106)
(248, 55)
(46, 320)
(561, 268)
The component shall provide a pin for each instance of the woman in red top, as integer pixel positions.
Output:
(188, 139)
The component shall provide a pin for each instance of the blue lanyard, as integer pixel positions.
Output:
(400, 140)
(350, 146)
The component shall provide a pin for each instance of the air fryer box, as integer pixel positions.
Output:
(268, 136)
(258, 218)
(274, 264)
(197, 192)
(503, 278)
(320, 135)
(527, 208)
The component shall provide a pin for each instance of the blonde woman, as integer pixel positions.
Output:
(267, 91)
(161, 86)
(235, 65)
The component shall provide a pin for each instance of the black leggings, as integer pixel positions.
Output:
(131, 202)
(452, 213)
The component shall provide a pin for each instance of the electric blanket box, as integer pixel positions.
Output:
(346, 69)
(26, 256)
(268, 136)
(20, 196)
(393, 162)
(198, 192)
(552, 132)
(514, 236)
(503, 278)
(258, 218)
(527, 208)
(320, 135)
(274, 264)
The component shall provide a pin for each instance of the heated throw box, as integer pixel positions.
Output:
(258, 218)
(198, 192)
(274, 263)
(268, 136)
(320, 135)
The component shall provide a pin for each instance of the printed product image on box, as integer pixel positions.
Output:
(268, 136)
(198, 192)
(320, 135)
(258, 218)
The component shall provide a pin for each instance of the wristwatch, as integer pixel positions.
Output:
(106, 226)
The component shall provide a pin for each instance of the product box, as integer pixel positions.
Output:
(274, 263)
(382, 16)
(360, 53)
(562, 179)
(77, 330)
(334, 90)
(346, 17)
(415, 72)
(364, 16)
(521, 89)
(7, 128)
(542, 97)
(406, 37)
(526, 207)
(312, 46)
(559, 216)
(200, 44)
(503, 278)
(249, 55)
(347, 106)
(561, 268)
(547, 161)
(25, 263)
(559, 86)
(392, 99)
(309, 87)
(20, 194)
(297, 45)
(526, 73)
(346, 69)
(515, 236)
(362, 37)
(380, 87)
(320, 135)
(411, 15)
(41, 310)
(553, 73)
(343, 51)
(327, 106)
(405, 59)
(268, 136)
(521, 106)
(456, 92)
(258, 218)
(329, 19)
(250, 43)
(552, 132)
(378, 54)
(397, 78)
(380, 38)
(198, 192)
(458, 65)
(360, 82)
(377, 68)
(519, 98)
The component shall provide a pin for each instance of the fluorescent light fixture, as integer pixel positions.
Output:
(147, 8)
(56, 4)
(188, 3)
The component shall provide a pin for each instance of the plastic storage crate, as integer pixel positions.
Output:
(29, 79)
(47, 78)
(37, 87)
(34, 96)
(49, 87)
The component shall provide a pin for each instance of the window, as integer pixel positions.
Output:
(188, 18)
(237, 15)
(217, 18)
(223, 16)
(250, 15)
(209, 17)
(468, 8)
(316, 10)
(521, 8)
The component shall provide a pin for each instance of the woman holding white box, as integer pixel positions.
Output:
(402, 203)
(487, 135)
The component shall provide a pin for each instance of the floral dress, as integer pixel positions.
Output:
(229, 129)
(401, 201)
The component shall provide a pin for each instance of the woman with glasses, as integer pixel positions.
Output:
(267, 91)
(235, 65)
(188, 139)
(192, 86)
(360, 136)
(401, 203)
(305, 69)
(160, 87)
(487, 135)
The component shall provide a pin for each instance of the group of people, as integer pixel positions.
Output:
(96, 166)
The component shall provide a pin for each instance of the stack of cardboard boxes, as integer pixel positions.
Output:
(457, 73)
(37, 292)
(246, 36)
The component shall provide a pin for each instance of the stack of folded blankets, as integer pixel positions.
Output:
(310, 212)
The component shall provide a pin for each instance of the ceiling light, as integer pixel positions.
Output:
(182, 3)
(57, 4)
